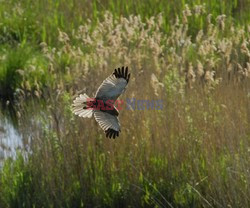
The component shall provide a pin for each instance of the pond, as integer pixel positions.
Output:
(10, 138)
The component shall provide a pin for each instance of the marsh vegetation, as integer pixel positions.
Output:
(194, 57)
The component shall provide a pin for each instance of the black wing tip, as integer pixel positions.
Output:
(111, 133)
(122, 73)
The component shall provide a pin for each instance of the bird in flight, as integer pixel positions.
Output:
(102, 106)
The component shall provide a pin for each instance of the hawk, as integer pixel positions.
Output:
(102, 106)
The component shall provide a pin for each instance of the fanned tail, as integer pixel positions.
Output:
(80, 108)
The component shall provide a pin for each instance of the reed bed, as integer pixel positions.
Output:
(194, 152)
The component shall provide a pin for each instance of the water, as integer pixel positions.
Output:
(10, 139)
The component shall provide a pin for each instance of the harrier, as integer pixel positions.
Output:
(102, 106)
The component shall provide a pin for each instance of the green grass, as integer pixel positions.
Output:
(25, 23)
(23, 70)
(183, 159)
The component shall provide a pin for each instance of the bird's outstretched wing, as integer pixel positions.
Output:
(109, 123)
(113, 86)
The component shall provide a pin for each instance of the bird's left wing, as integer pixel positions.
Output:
(109, 123)
(113, 86)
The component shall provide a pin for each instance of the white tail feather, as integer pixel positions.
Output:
(79, 104)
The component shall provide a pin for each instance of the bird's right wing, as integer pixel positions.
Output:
(109, 123)
(113, 86)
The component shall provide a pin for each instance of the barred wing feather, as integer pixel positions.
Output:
(113, 86)
(109, 123)
(79, 106)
